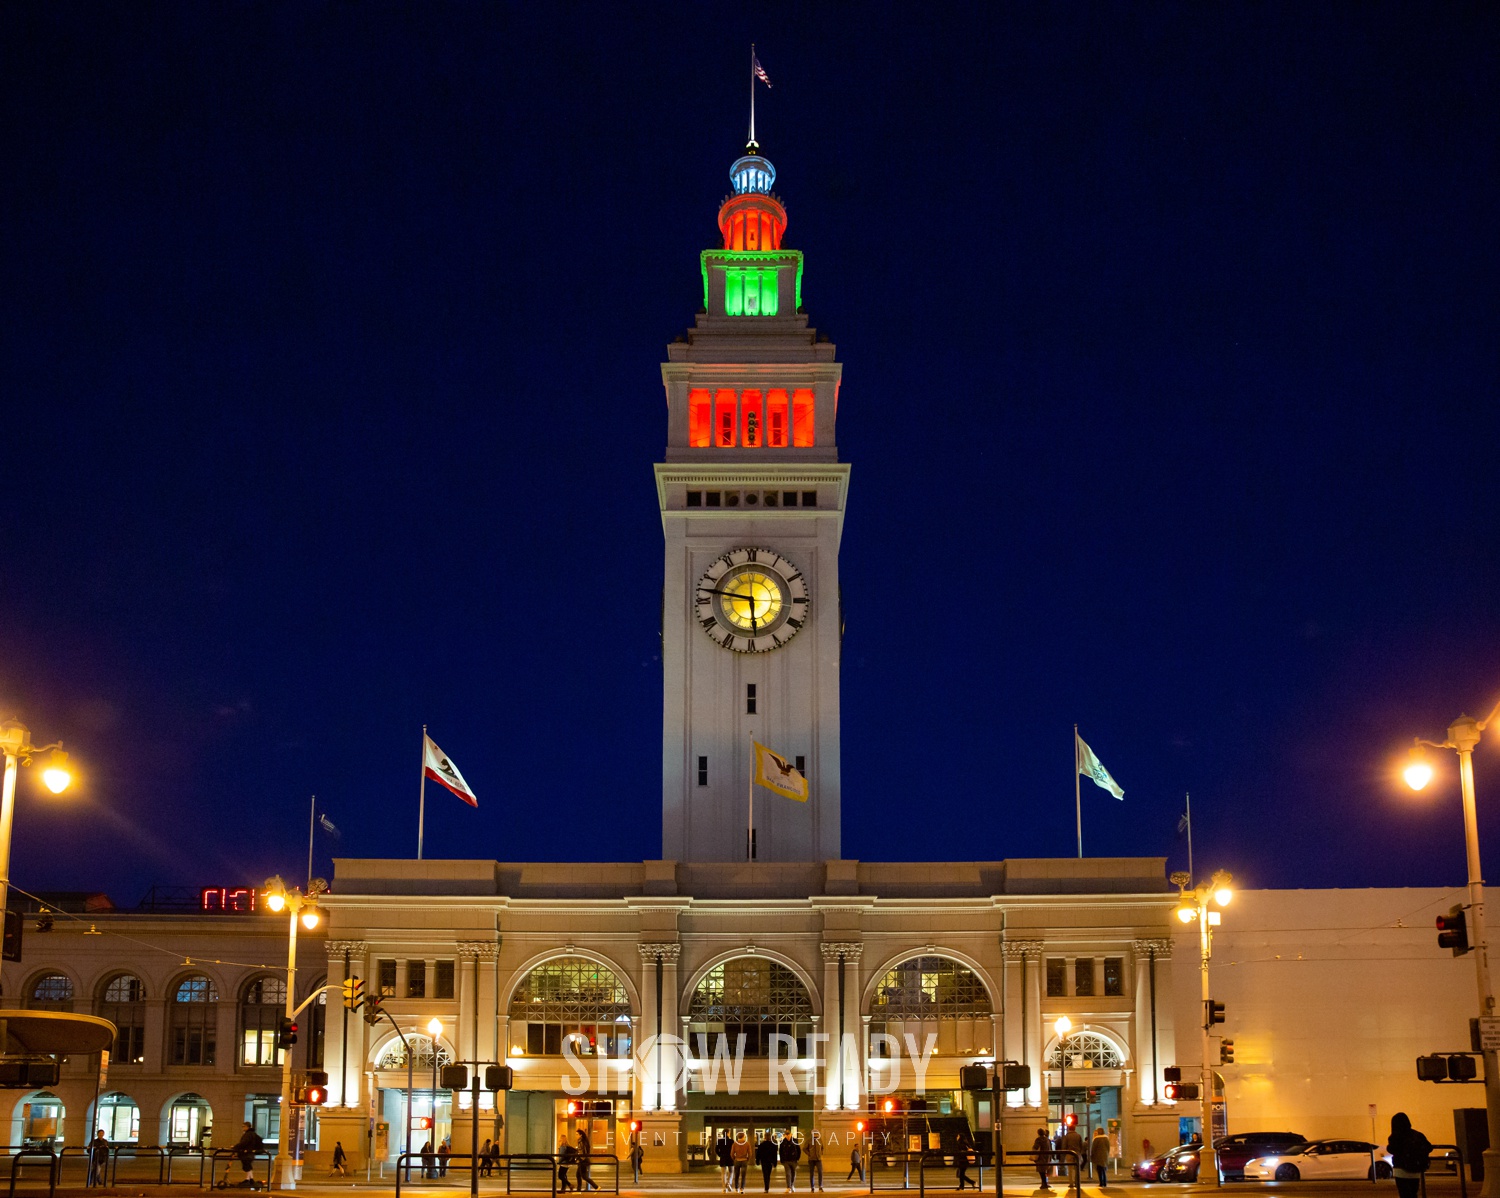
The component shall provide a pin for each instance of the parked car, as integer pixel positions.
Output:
(1348, 1160)
(1234, 1151)
(1151, 1169)
(1181, 1164)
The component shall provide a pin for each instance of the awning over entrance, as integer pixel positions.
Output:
(54, 1032)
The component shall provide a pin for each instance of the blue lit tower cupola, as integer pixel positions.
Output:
(752, 275)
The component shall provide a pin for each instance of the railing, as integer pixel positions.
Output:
(948, 1160)
(38, 1155)
(1456, 1154)
(522, 1163)
(230, 1154)
(1066, 1157)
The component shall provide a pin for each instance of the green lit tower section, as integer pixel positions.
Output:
(752, 505)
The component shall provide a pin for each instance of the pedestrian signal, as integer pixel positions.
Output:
(422, 1123)
(1172, 1073)
(888, 1106)
(1180, 1091)
(373, 1009)
(1226, 1052)
(1015, 1077)
(354, 993)
(1070, 1120)
(499, 1077)
(1462, 1068)
(1213, 1012)
(1453, 931)
(317, 1095)
(973, 1077)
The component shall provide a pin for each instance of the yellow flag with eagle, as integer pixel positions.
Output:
(775, 772)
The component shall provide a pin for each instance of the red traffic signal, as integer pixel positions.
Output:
(1180, 1091)
(888, 1105)
(422, 1123)
(1453, 931)
(859, 1125)
(1070, 1120)
(317, 1095)
(635, 1126)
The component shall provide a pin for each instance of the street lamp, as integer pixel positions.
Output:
(1064, 1025)
(1195, 904)
(15, 743)
(434, 1030)
(1463, 735)
(303, 909)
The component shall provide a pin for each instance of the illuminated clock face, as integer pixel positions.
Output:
(752, 600)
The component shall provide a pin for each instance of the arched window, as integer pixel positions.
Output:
(394, 1057)
(118, 1118)
(1087, 1050)
(752, 997)
(261, 1009)
(193, 1018)
(571, 998)
(123, 1003)
(190, 1120)
(932, 997)
(51, 992)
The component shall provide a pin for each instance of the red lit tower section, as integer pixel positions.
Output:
(751, 485)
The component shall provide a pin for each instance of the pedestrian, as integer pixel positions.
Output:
(856, 1163)
(443, 1151)
(739, 1157)
(566, 1154)
(429, 1158)
(1411, 1154)
(724, 1155)
(340, 1159)
(98, 1158)
(637, 1155)
(815, 1163)
(484, 1158)
(1076, 1150)
(585, 1150)
(961, 1161)
(765, 1157)
(1099, 1155)
(494, 1156)
(246, 1148)
(790, 1153)
(1042, 1147)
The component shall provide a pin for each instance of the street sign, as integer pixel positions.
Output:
(1489, 1035)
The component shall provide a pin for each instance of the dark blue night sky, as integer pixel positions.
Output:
(330, 355)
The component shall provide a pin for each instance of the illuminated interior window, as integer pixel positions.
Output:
(776, 418)
(750, 291)
(752, 417)
(802, 417)
(724, 418)
(698, 417)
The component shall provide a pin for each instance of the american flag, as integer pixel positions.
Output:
(760, 71)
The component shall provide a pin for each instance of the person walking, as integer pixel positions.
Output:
(1042, 1146)
(585, 1169)
(739, 1157)
(765, 1157)
(814, 1163)
(340, 1159)
(429, 1168)
(1077, 1150)
(98, 1158)
(856, 1163)
(443, 1150)
(1099, 1155)
(790, 1153)
(566, 1154)
(961, 1159)
(637, 1155)
(723, 1154)
(1411, 1154)
(484, 1158)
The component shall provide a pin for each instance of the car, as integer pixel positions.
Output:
(1181, 1164)
(1235, 1150)
(1347, 1160)
(1151, 1169)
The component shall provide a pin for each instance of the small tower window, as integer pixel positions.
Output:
(714, 498)
(789, 499)
(750, 402)
(802, 417)
(703, 771)
(750, 698)
(698, 417)
(776, 418)
(724, 417)
(809, 499)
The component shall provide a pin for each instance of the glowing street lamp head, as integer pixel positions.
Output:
(434, 1027)
(1418, 773)
(57, 775)
(1186, 912)
(311, 915)
(275, 894)
(1064, 1025)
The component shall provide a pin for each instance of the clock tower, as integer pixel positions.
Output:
(752, 504)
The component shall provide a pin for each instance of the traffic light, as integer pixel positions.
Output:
(422, 1123)
(1226, 1052)
(354, 993)
(1448, 1067)
(1070, 1121)
(889, 1106)
(578, 1109)
(973, 1077)
(1461, 1068)
(373, 1009)
(1180, 1091)
(14, 928)
(1453, 931)
(454, 1077)
(286, 1033)
(1432, 1069)
(1172, 1073)
(635, 1126)
(498, 1077)
(317, 1087)
(1213, 1012)
(1015, 1077)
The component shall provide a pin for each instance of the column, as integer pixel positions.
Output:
(659, 1060)
(468, 1000)
(845, 1074)
(1146, 1051)
(403, 977)
(486, 999)
(1022, 1014)
(343, 1120)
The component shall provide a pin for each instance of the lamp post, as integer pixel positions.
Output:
(1463, 735)
(1064, 1025)
(434, 1030)
(1194, 904)
(304, 909)
(15, 743)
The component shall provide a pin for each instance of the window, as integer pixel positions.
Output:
(715, 499)
(771, 497)
(51, 992)
(750, 291)
(750, 405)
(416, 979)
(724, 417)
(1087, 1050)
(695, 499)
(444, 980)
(571, 999)
(1114, 976)
(751, 997)
(1057, 977)
(119, 1118)
(698, 407)
(386, 973)
(123, 1003)
(703, 771)
(1083, 975)
(261, 1011)
(789, 499)
(801, 764)
(750, 698)
(802, 417)
(809, 499)
(933, 997)
(422, 1049)
(776, 418)
(194, 1014)
(315, 1018)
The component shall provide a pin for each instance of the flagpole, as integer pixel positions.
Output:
(311, 818)
(750, 831)
(1188, 799)
(752, 93)
(422, 796)
(1077, 791)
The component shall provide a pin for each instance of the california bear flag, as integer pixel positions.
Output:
(435, 765)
